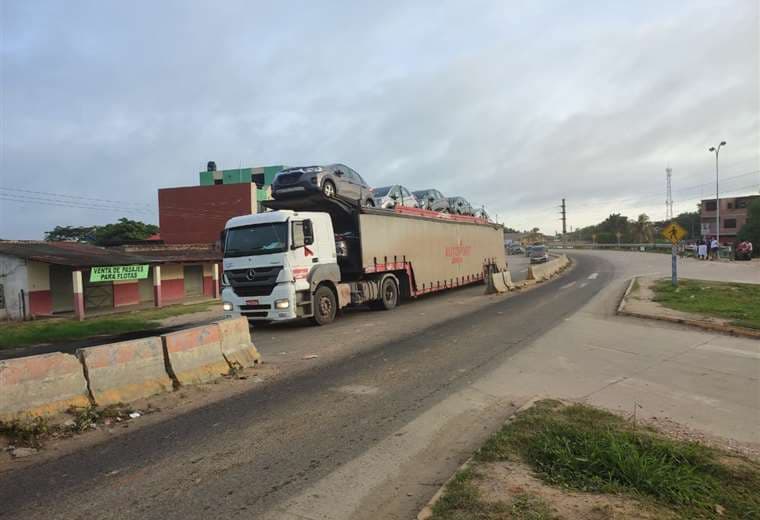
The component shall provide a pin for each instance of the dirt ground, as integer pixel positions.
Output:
(507, 481)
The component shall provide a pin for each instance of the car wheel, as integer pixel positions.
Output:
(324, 306)
(388, 295)
(328, 188)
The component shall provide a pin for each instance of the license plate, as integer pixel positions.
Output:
(288, 190)
(252, 302)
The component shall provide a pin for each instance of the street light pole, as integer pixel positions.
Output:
(716, 149)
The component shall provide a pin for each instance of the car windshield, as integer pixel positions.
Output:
(538, 251)
(259, 239)
(381, 192)
(423, 194)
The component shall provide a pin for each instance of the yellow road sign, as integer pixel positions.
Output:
(674, 232)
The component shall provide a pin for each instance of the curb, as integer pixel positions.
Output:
(730, 330)
(427, 512)
(621, 305)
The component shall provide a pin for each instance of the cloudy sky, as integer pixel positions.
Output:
(513, 105)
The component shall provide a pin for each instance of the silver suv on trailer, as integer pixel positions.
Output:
(330, 179)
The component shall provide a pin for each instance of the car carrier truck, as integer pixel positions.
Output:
(314, 255)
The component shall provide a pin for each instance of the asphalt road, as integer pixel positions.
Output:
(248, 455)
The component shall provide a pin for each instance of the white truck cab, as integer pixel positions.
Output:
(275, 261)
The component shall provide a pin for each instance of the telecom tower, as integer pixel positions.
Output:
(669, 196)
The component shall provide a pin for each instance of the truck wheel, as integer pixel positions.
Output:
(388, 295)
(324, 306)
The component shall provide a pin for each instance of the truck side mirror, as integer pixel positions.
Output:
(298, 239)
(308, 233)
(222, 239)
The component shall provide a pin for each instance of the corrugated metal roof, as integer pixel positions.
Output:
(74, 254)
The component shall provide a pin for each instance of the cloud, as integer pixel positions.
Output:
(512, 107)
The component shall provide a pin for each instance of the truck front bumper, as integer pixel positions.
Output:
(261, 308)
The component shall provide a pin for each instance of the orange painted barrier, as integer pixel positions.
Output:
(195, 355)
(41, 385)
(237, 347)
(125, 371)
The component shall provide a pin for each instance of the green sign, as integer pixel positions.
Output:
(111, 273)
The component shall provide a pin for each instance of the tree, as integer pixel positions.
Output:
(751, 230)
(691, 222)
(72, 234)
(643, 231)
(124, 230)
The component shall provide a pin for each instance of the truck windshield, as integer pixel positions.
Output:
(381, 192)
(259, 239)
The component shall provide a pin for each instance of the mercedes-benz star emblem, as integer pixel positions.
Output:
(250, 274)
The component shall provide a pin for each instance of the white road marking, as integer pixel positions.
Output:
(524, 270)
(593, 276)
(358, 389)
(567, 285)
(584, 284)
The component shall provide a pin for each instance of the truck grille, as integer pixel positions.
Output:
(259, 281)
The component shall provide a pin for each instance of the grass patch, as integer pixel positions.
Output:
(461, 500)
(28, 434)
(737, 302)
(17, 334)
(587, 449)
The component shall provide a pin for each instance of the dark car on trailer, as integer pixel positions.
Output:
(432, 199)
(330, 179)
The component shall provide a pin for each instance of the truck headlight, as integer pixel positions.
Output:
(281, 304)
(227, 306)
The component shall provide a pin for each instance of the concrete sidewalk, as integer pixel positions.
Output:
(707, 381)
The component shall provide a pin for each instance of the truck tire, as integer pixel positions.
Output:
(325, 306)
(388, 295)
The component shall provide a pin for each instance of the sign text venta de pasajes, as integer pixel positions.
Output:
(112, 273)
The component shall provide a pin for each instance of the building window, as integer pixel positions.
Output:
(741, 203)
(258, 179)
(710, 205)
(2, 296)
(218, 181)
(729, 223)
(730, 205)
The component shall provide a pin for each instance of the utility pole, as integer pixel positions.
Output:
(669, 195)
(716, 149)
(564, 221)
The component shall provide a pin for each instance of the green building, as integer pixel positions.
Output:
(262, 176)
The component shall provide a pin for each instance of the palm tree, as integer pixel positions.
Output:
(643, 230)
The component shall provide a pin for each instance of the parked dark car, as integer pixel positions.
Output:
(538, 255)
(432, 199)
(460, 206)
(331, 179)
(394, 195)
(516, 249)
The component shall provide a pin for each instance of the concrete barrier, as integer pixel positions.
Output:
(125, 371)
(236, 344)
(195, 355)
(497, 281)
(41, 385)
(542, 272)
(507, 277)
